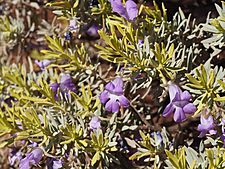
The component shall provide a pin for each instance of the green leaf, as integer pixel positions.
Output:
(222, 84)
(173, 159)
(203, 74)
(95, 158)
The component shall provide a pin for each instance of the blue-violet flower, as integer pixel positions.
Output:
(14, 156)
(206, 126)
(73, 24)
(93, 31)
(32, 158)
(179, 104)
(95, 123)
(43, 63)
(113, 96)
(66, 84)
(68, 36)
(129, 12)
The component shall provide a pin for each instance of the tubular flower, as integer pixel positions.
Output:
(93, 31)
(43, 64)
(14, 156)
(32, 158)
(68, 36)
(179, 104)
(73, 24)
(113, 96)
(66, 84)
(129, 12)
(206, 126)
(95, 123)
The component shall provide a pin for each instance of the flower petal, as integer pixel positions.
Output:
(118, 83)
(37, 154)
(174, 92)
(168, 110)
(206, 121)
(57, 164)
(222, 137)
(189, 108)
(124, 102)
(206, 124)
(104, 97)
(93, 31)
(179, 115)
(212, 132)
(32, 158)
(132, 9)
(110, 86)
(112, 106)
(24, 163)
(54, 87)
(64, 78)
(118, 7)
(43, 63)
(202, 134)
(202, 127)
(67, 85)
(73, 24)
(95, 123)
(185, 95)
(13, 158)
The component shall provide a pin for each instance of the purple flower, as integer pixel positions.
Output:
(206, 126)
(68, 36)
(140, 42)
(32, 158)
(43, 64)
(113, 96)
(222, 137)
(66, 84)
(93, 31)
(95, 123)
(73, 24)
(33, 144)
(54, 163)
(129, 12)
(179, 104)
(14, 156)
(57, 164)
(222, 123)
(158, 139)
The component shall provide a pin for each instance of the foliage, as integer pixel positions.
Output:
(54, 76)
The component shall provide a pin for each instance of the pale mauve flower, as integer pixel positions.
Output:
(129, 12)
(113, 97)
(179, 104)
(93, 31)
(95, 123)
(43, 63)
(66, 84)
(206, 125)
(73, 24)
(14, 156)
(32, 158)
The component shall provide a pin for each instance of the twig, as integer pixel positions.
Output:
(148, 125)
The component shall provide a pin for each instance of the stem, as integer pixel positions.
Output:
(162, 77)
(143, 118)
